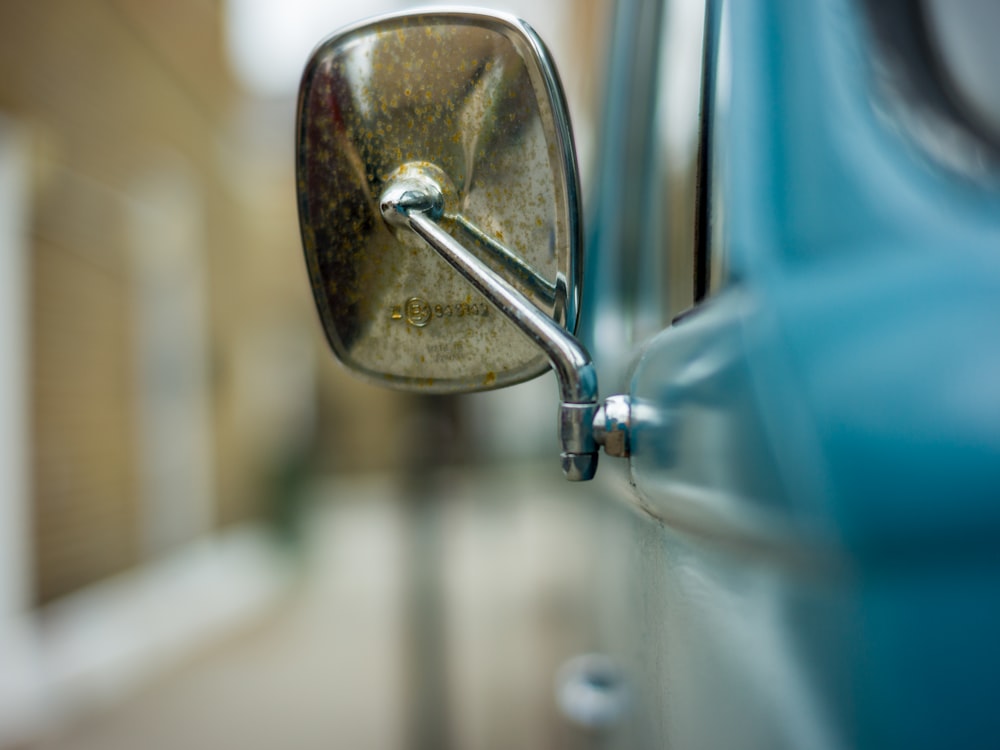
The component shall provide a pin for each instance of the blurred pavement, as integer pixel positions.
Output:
(343, 661)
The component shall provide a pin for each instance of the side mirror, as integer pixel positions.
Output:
(434, 143)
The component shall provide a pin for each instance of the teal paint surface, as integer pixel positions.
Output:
(830, 417)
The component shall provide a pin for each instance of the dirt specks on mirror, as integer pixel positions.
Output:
(473, 99)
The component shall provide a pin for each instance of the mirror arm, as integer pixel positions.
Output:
(416, 204)
(573, 365)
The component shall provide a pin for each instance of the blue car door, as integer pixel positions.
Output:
(812, 553)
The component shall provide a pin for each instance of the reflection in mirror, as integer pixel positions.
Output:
(539, 289)
(470, 103)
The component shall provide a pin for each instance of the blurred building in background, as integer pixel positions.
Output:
(165, 394)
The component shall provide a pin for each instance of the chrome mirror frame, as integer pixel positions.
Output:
(362, 212)
(470, 102)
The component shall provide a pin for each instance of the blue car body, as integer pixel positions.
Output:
(815, 560)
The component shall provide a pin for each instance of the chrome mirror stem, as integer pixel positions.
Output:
(414, 203)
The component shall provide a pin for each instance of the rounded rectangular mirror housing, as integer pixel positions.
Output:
(469, 104)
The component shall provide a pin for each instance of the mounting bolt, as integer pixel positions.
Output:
(611, 426)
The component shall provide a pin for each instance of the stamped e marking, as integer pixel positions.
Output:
(419, 312)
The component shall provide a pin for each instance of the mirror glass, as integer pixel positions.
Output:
(473, 101)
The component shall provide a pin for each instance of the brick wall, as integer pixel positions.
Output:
(112, 93)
